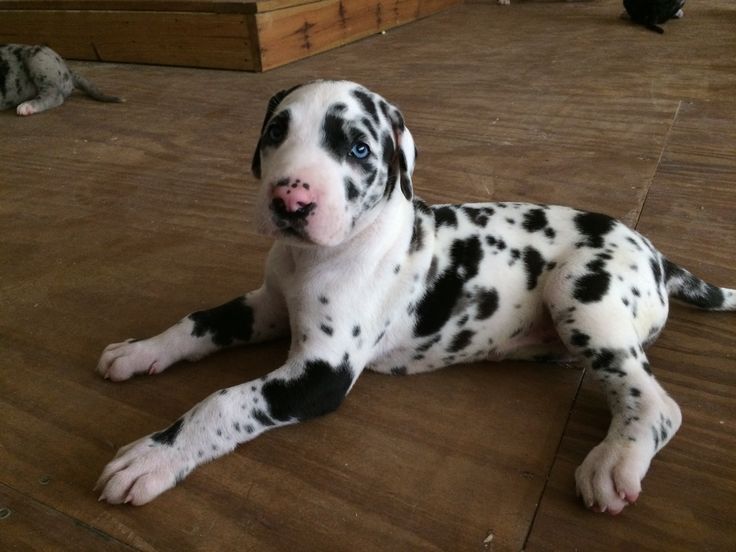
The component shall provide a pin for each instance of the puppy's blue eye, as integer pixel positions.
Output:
(360, 150)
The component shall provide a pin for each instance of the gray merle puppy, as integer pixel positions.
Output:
(35, 78)
(363, 275)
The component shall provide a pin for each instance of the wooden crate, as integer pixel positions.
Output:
(222, 34)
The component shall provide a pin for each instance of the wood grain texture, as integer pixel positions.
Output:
(173, 38)
(118, 219)
(27, 525)
(294, 33)
(253, 36)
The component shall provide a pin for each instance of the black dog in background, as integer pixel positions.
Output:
(652, 13)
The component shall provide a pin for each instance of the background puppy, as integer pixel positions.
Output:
(35, 78)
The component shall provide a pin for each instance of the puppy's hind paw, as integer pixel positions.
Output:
(25, 109)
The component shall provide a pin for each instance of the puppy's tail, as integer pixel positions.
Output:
(690, 289)
(92, 91)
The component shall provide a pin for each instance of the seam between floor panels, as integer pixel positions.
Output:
(554, 459)
(76, 521)
(659, 161)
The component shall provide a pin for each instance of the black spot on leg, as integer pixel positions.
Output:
(263, 418)
(356, 331)
(634, 392)
(460, 341)
(399, 370)
(487, 304)
(318, 390)
(168, 436)
(226, 324)
(579, 339)
(326, 329)
(592, 287)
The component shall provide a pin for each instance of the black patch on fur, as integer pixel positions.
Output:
(325, 328)
(690, 289)
(435, 308)
(318, 390)
(369, 106)
(417, 234)
(263, 418)
(478, 216)
(445, 216)
(460, 341)
(226, 324)
(534, 263)
(351, 190)
(398, 370)
(334, 138)
(487, 304)
(168, 435)
(594, 226)
(579, 339)
(592, 287)
(535, 220)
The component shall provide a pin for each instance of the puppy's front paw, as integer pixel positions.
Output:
(121, 361)
(609, 479)
(141, 471)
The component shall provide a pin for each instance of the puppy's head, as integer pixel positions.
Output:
(330, 155)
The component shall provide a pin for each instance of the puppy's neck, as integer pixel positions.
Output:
(384, 239)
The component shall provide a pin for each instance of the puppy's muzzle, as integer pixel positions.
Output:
(291, 203)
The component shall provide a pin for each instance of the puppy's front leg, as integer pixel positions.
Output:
(258, 316)
(303, 388)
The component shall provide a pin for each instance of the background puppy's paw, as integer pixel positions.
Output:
(25, 109)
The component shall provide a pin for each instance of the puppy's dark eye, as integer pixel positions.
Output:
(275, 132)
(360, 150)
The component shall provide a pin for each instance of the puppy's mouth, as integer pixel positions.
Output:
(290, 228)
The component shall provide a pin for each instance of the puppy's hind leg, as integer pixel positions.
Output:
(643, 417)
(48, 96)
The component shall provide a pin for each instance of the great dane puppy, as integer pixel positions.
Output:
(35, 78)
(364, 275)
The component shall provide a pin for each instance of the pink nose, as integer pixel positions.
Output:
(294, 197)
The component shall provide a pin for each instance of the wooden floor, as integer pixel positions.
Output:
(118, 219)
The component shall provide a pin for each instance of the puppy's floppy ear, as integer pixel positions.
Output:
(406, 152)
(273, 103)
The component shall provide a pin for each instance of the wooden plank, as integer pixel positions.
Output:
(213, 6)
(302, 31)
(188, 39)
(26, 524)
(689, 499)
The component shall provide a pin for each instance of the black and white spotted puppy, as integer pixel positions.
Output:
(35, 78)
(364, 275)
